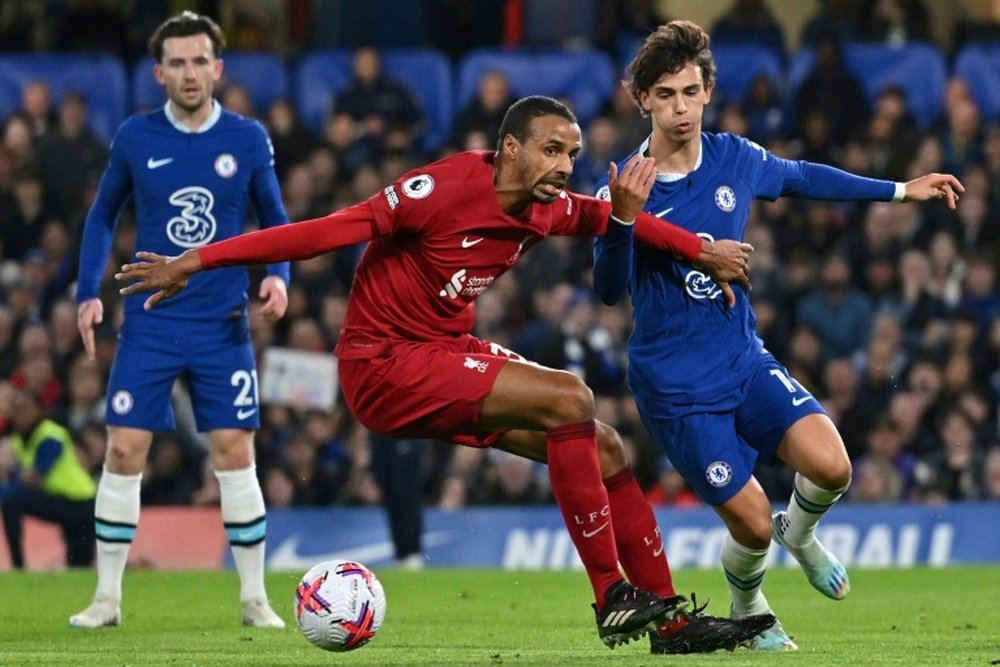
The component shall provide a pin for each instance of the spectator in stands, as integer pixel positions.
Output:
(670, 488)
(992, 474)
(885, 443)
(483, 114)
(510, 480)
(292, 142)
(68, 156)
(894, 21)
(377, 101)
(36, 105)
(48, 482)
(831, 91)
(750, 21)
(601, 142)
(21, 225)
(980, 296)
(960, 139)
(874, 481)
(764, 110)
(17, 141)
(236, 98)
(166, 479)
(954, 469)
(918, 305)
(845, 405)
(839, 312)
(835, 19)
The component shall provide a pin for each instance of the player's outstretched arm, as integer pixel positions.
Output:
(934, 186)
(166, 276)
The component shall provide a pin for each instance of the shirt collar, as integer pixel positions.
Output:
(669, 177)
(209, 123)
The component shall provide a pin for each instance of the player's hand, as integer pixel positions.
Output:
(934, 186)
(89, 314)
(275, 295)
(726, 261)
(630, 187)
(166, 276)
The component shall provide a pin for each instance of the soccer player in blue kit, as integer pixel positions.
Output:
(191, 169)
(714, 399)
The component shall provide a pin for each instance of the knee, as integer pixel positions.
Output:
(573, 403)
(610, 451)
(834, 476)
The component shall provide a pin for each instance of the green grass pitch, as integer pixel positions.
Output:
(487, 617)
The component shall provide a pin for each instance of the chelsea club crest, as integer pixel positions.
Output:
(725, 198)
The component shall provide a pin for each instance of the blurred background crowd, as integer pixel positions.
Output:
(889, 313)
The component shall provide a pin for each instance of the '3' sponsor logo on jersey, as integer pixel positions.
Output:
(194, 225)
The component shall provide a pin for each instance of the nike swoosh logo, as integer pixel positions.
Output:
(591, 533)
(799, 401)
(155, 164)
(466, 243)
(664, 212)
(657, 552)
(243, 414)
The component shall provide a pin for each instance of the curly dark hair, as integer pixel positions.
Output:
(668, 51)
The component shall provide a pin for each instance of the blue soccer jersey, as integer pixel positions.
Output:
(688, 352)
(189, 189)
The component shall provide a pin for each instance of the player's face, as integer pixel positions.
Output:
(544, 162)
(676, 103)
(189, 70)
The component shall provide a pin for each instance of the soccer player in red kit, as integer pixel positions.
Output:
(409, 366)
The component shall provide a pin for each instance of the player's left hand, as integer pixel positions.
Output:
(275, 295)
(934, 186)
(630, 186)
(726, 261)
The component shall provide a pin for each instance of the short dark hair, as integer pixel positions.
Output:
(668, 51)
(186, 24)
(518, 118)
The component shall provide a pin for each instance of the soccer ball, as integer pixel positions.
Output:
(339, 605)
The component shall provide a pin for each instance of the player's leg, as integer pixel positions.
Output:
(244, 517)
(11, 509)
(637, 536)
(640, 549)
(782, 420)
(527, 396)
(116, 515)
(222, 379)
(814, 449)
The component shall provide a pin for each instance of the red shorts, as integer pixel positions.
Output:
(426, 390)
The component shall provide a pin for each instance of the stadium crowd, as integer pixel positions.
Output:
(889, 313)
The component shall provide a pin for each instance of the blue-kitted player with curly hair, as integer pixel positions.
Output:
(715, 400)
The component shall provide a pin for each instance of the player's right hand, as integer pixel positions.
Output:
(89, 314)
(166, 276)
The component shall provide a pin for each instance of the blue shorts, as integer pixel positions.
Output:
(216, 359)
(716, 452)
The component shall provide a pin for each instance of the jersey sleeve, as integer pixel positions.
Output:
(772, 177)
(265, 194)
(99, 226)
(300, 240)
(411, 203)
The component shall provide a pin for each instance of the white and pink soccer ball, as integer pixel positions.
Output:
(339, 605)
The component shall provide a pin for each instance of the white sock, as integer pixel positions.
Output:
(246, 526)
(806, 507)
(744, 570)
(116, 514)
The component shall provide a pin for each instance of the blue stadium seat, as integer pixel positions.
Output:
(738, 65)
(917, 68)
(263, 74)
(979, 66)
(100, 78)
(586, 78)
(321, 75)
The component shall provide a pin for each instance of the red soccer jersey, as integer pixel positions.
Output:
(443, 239)
(438, 239)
